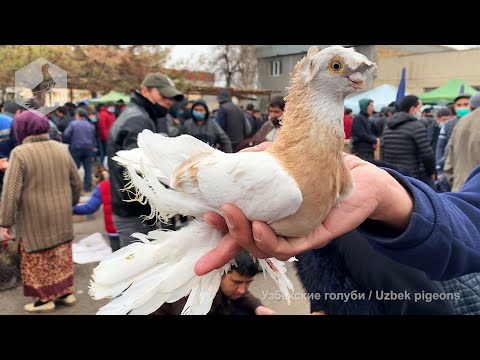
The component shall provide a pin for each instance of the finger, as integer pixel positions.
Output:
(261, 147)
(268, 242)
(226, 250)
(216, 221)
(318, 238)
(240, 229)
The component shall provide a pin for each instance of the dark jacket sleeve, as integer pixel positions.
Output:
(67, 135)
(92, 205)
(248, 301)
(222, 118)
(440, 151)
(425, 151)
(362, 130)
(135, 126)
(222, 138)
(442, 237)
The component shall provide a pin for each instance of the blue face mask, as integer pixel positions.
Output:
(111, 109)
(198, 115)
(462, 112)
(418, 116)
(93, 119)
(179, 113)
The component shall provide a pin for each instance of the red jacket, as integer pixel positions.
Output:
(347, 126)
(105, 121)
(107, 205)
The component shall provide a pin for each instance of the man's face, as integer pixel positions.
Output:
(155, 97)
(461, 103)
(274, 113)
(234, 285)
(370, 109)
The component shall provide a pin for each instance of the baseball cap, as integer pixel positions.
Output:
(164, 84)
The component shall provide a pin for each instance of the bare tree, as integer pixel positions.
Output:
(237, 64)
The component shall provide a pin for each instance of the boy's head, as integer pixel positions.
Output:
(236, 283)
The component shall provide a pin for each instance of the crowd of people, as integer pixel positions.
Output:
(404, 222)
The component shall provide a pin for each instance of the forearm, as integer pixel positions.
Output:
(441, 235)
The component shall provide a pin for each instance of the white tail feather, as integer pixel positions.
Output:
(171, 278)
(277, 270)
(143, 276)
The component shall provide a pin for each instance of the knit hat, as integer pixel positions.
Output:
(364, 104)
(29, 123)
(475, 101)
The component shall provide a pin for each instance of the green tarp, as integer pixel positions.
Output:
(446, 93)
(112, 96)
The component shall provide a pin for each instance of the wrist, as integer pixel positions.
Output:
(395, 203)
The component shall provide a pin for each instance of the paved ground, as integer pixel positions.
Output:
(12, 301)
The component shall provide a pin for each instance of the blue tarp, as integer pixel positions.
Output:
(381, 96)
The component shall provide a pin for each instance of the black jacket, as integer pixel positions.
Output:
(405, 145)
(138, 116)
(349, 265)
(231, 119)
(362, 137)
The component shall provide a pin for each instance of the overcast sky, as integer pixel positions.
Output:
(181, 52)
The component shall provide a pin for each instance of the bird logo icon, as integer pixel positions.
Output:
(41, 89)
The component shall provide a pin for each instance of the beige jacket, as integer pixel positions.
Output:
(40, 186)
(463, 150)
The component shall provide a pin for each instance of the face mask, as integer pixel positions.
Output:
(418, 116)
(93, 119)
(198, 115)
(462, 112)
(159, 111)
(179, 113)
(111, 109)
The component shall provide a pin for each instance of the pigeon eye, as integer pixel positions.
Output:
(336, 65)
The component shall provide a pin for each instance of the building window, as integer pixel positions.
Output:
(275, 68)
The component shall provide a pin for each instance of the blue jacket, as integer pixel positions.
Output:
(80, 134)
(92, 205)
(7, 140)
(443, 235)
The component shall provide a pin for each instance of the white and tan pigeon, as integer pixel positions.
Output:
(291, 186)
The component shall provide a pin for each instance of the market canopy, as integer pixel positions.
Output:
(382, 96)
(112, 96)
(447, 93)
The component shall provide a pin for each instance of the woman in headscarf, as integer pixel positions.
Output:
(40, 186)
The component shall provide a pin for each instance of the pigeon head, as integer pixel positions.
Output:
(342, 70)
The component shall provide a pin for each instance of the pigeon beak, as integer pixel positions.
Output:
(357, 80)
